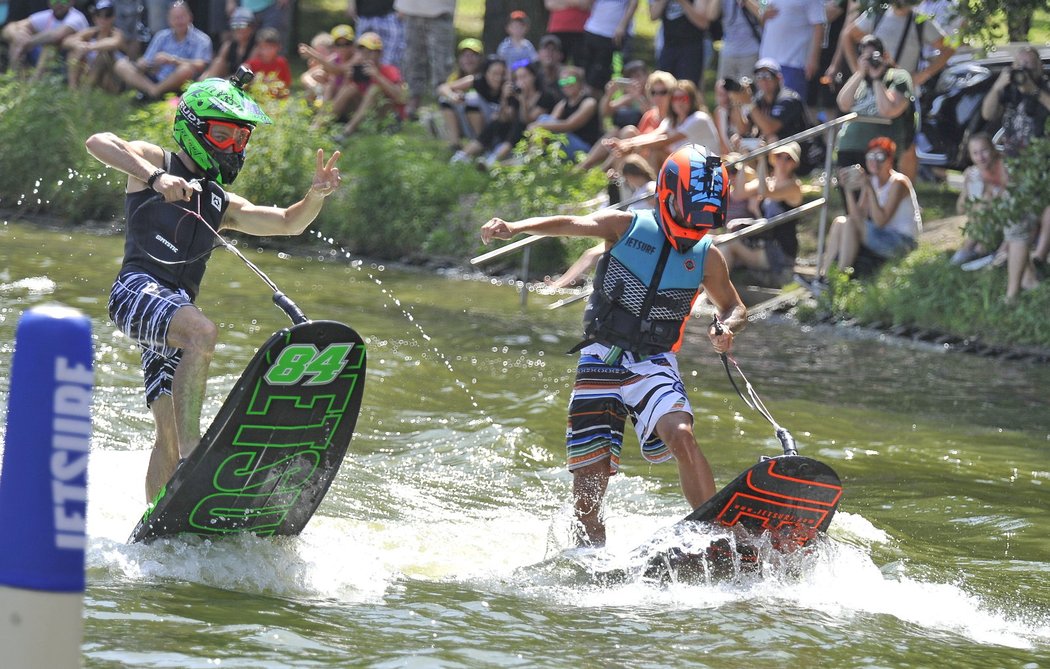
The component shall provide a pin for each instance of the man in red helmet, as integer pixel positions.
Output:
(657, 262)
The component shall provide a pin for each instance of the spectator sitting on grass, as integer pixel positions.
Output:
(32, 40)
(92, 54)
(658, 88)
(236, 48)
(686, 123)
(315, 79)
(271, 69)
(983, 181)
(885, 218)
(372, 88)
(452, 93)
(523, 102)
(175, 55)
(336, 63)
(576, 116)
(774, 250)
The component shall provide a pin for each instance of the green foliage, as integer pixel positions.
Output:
(403, 197)
(542, 182)
(1027, 196)
(925, 290)
(986, 22)
(43, 165)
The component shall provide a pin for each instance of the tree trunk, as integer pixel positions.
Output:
(1019, 22)
(496, 13)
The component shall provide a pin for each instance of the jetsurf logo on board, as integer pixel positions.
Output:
(304, 364)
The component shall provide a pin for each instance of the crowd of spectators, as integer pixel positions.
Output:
(782, 67)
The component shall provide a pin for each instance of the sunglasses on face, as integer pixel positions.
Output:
(659, 92)
(679, 97)
(224, 135)
(763, 76)
(104, 13)
(567, 81)
(341, 43)
(877, 156)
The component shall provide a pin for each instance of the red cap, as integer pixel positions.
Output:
(518, 15)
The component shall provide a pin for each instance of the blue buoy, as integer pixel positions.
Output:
(43, 489)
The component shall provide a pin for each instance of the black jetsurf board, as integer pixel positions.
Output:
(275, 445)
(790, 497)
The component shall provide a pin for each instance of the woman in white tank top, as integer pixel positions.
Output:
(884, 216)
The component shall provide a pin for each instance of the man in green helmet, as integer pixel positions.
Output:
(171, 201)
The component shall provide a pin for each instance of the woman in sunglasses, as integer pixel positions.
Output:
(883, 215)
(658, 87)
(92, 53)
(575, 116)
(687, 122)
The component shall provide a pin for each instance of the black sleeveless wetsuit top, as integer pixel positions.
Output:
(165, 240)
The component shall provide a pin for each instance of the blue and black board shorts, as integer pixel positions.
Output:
(142, 309)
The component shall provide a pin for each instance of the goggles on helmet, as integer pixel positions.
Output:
(225, 135)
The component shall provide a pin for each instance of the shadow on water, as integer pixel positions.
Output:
(440, 543)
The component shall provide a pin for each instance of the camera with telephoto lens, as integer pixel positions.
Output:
(731, 85)
(1018, 76)
(876, 60)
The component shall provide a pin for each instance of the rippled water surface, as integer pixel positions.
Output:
(440, 541)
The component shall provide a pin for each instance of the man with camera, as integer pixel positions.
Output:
(1021, 99)
(876, 88)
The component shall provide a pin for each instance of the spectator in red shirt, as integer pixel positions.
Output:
(371, 86)
(270, 67)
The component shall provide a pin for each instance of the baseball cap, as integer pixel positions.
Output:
(471, 44)
(343, 31)
(767, 64)
(634, 66)
(242, 17)
(103, 4)
(371, 41)
(518, 15)
(791, 148)
(551, 40)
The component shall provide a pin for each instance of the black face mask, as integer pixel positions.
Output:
(230, 165)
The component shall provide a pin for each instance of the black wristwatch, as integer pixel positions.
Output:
(153, 177)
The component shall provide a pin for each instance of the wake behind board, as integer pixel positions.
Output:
(790, 497)
(276, 443)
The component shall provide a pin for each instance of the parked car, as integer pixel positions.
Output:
(951, 112)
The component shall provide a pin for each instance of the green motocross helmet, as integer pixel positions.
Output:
(213, 123)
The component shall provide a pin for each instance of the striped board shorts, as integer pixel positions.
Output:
(142, 308)
(604, 396)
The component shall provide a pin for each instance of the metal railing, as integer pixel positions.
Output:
(829, 129)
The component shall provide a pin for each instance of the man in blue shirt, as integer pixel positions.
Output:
(175, 55)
